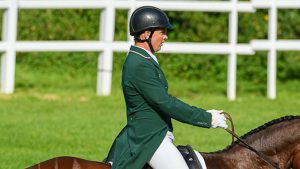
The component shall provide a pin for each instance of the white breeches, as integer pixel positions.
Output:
(167, 156)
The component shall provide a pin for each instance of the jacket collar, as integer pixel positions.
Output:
(143, 53)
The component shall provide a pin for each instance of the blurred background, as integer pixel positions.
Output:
(55, 111)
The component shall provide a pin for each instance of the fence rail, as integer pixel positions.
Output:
(106, 45)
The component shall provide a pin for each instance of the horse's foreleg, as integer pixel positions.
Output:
(296, 161)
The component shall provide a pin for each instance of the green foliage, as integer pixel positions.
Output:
(193, 67)
(81, 24)
(288, 66)
(289, 24)
(253, 26)
(121, 25)
(199, 27)
(71, 24)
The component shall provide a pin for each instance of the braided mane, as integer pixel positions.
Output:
(260, 128)
(266, 125)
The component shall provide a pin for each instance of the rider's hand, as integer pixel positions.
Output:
(218, 119)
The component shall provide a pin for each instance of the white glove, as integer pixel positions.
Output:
(218, 119)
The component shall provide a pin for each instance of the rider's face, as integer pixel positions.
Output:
(158, 38)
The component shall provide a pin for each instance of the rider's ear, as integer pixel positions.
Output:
(143, 36)
(146, 34)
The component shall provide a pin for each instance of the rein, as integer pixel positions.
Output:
(260, 155)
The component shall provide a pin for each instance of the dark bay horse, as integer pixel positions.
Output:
(279, 140)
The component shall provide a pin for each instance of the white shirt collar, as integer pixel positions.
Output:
(150, 53)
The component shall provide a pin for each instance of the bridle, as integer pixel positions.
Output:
(260, 155)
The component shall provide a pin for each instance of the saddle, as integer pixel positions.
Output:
(189, 156)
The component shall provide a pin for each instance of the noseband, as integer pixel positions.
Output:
(260, 155)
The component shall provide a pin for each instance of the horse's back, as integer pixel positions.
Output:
(69, 163)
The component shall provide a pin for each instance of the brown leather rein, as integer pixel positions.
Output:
(260, 155)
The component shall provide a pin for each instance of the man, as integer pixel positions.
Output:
(148, 137)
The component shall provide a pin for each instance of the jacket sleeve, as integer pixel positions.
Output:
(149, 85)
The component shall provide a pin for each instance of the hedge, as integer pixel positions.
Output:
(82, 24)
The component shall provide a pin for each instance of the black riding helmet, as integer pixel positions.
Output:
(147, 18)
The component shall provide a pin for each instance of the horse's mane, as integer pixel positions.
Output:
(266, 125)
(260, 128)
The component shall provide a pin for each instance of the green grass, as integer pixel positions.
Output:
(67, 118)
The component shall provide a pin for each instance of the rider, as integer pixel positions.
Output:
(148, 137)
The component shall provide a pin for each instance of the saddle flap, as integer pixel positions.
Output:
(190, 157)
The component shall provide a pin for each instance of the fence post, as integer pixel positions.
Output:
(272, 51)
(231, 80)
(105, 60)
(8, 59)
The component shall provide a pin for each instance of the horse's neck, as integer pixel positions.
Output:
(236, 156)
(277, 141)
(277, 138)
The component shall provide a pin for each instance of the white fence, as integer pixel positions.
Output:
(106, 45)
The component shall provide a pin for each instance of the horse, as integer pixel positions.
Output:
(278, 140)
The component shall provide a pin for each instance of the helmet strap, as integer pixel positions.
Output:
(148, 40)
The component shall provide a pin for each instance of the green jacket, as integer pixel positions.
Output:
(149, 110)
